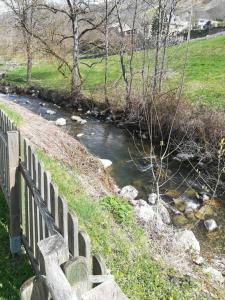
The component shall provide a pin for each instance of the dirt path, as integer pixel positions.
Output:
(57, 144)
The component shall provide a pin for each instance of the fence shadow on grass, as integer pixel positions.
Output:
(14, 271)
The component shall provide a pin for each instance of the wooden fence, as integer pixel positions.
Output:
(60, 253)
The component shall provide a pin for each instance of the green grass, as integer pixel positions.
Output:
(205, 70)
(14, 271)
(116, 235)
(15, 117)
(204, 77)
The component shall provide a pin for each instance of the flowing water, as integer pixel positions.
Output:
(129, 166)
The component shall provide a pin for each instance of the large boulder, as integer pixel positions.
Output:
(146, 214)
(215, 274)
(129, 192)
(186, 241)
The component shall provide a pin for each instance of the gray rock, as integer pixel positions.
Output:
(76, 118)
(162, 211)
(106, 163)
(129, 192)
(152, 198)
(215, 274)
(205, 197)
(210, 225)
(60, 122)
(83, 122)
(199, 260)
(146, 214)
(186, 241)
(191, 204)
(50, 112)
(218, 262)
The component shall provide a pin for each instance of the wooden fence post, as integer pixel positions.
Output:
(14, 191)
(54, 252)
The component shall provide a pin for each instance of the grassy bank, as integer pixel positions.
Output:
(204, 75)
(115, 234)
(14, 271)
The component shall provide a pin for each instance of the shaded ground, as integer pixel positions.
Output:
(14, 271)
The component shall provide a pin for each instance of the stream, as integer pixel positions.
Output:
(126, 152)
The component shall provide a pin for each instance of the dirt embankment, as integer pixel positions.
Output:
(60, 146)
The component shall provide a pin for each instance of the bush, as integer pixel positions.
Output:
(120, 209)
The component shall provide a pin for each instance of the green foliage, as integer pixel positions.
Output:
(120, 209)
(14, 271)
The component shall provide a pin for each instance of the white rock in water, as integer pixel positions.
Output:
(76, 118)
(186, 241)
(205, 197)
(152, 198)
(80, 135)
(60, 122)
(82, 122)
(215, 274)
(50, 112)
(106, 163)
(92, 133)
(129, 192)
(192, 205)
(210, 225)
(80, 109)
(27, 102)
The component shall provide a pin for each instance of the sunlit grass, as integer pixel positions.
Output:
(204, 72)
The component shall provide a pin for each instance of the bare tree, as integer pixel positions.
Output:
(82, 18)
(24, 12)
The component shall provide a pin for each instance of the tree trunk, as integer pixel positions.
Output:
(75, 80)
(106, 53)
(29, 63)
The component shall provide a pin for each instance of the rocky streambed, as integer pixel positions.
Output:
(183, 204)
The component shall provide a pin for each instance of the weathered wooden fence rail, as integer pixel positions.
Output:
(60, 253)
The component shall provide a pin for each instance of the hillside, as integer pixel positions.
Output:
(210, 9)
(204, 75)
